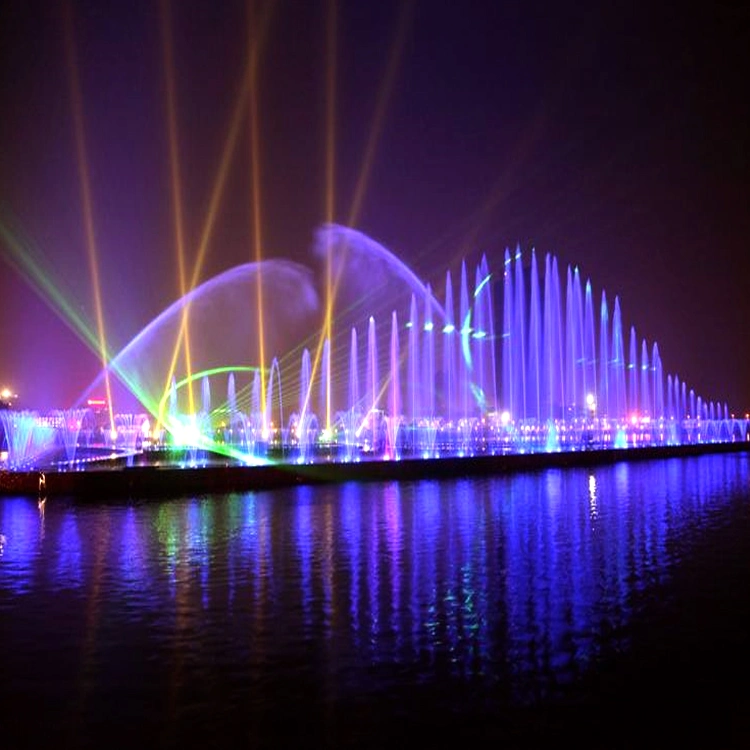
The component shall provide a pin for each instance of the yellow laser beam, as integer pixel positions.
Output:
(87, 203)
(253, 52)
(380, 109)
(330, 207)
(217, 191)
(174, 169)
(370, 149)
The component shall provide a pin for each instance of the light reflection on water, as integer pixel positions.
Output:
(204, 606)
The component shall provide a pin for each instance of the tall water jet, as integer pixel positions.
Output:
(256, 408)
(483, 340)
(549, 345)
(572, 353)
(604, 404)
(584, 382)
(535, 345)
(518, 337)
(589, 343)
(394, 390)
(449, 353)
(428, 380)
(507, 357)
(273, 385)
(205, 395)
(684, 401)
(231, 394)
(618, 364)
(173, 409)
(353, 415)
(304, 415)
(646, 386)
(633, 374)
(554, 397)
(372, 383)
(489, 314)
(414, 384)
(325, 388)
(658, 400)
(466, 364)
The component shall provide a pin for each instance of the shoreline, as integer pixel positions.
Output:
(146, 478)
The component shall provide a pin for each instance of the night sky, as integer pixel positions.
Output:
(614, 137)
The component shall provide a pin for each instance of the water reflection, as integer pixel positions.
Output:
(516, 580)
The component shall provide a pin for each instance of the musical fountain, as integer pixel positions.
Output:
(517, 363)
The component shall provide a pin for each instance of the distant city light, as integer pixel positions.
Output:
(6, 394)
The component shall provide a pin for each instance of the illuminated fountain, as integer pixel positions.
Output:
(30, 438)
(524, 360)
(27, 439)
(67, 425)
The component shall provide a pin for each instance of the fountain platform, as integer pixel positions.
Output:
(150, 475)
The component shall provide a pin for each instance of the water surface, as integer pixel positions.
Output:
(509, 608)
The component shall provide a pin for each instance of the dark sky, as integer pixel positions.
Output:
(614, 135)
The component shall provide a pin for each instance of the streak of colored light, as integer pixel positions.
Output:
(218, 189)
(465, 343)
(330, 179)
(174, 164)
(253, 52)
(226, 369)
(179, 428)
(372, 142)
(380, 110)
(382, 392)
(483, 283)
(520, 156)
(88, 214)
(22, 259)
